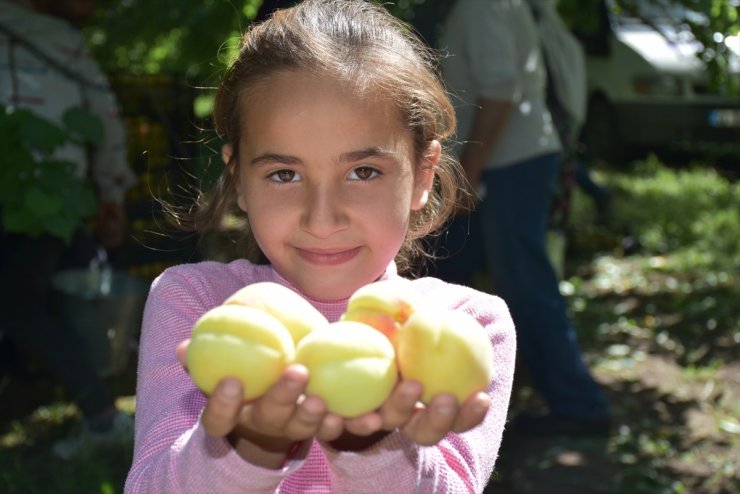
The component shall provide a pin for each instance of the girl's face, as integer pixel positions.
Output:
(328, 182)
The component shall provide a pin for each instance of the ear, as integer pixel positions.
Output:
(424, 175)
(227, 152)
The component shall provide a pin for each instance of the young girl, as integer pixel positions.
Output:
(334, 115)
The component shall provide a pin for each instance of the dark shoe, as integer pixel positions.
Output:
(557, 425)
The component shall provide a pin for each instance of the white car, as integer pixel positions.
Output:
(648, 89)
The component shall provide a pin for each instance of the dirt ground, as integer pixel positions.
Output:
(664, 438)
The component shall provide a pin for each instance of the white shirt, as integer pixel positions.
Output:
(29, 81)
(494, 54)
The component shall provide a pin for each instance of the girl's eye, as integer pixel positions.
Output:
(284, 176)
(364, 173)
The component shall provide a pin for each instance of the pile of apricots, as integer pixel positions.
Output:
(354, 363)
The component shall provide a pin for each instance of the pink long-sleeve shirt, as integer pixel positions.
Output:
(173, 453)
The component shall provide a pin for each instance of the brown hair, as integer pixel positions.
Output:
(361, 44)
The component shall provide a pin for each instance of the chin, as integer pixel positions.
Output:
(337, 286)
(328, 291)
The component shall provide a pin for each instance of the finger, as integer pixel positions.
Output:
(430, 426)
(365, 424)
(399, 407)
(306, 419)
(272, 412)
(222, 410)
(182, 352)
(331, 427)
(472, 412)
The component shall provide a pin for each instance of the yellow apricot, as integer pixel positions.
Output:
(241, 342)
(384, 305)
(446, 351)
(295, 312)
(352, 367)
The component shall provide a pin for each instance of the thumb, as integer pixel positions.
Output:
(222, 410)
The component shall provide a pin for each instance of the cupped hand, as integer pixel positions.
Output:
(283, 413)
(423, 424)
(429, 424)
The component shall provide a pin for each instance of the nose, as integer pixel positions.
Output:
(324, 212)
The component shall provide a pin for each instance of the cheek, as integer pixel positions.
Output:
(259, 208)
(391, 217)
(269, 213)
(266, 226)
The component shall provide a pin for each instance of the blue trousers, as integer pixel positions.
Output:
(507, 233)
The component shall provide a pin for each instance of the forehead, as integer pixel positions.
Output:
(289, 87)
(299, 107)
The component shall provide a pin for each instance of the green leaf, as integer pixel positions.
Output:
(40, 134)
(16, 169)
(76, 196)
(20, 221)
(39, 195)
(57, 175)
(80, 202)
(61, 226)
(40, 203)
(83, 125)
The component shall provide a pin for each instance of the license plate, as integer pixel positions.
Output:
(724, 118)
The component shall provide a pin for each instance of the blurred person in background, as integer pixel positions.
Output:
(511, 153)
(46, 68)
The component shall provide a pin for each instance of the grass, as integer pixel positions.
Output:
(654, 299)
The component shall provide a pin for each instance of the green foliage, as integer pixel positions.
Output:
(580, 15)
(685, 269)
(724, 21)
(711, 22)
(687, 215)
(27, 462)
(191, 38)
(82, 126)
(39, 194)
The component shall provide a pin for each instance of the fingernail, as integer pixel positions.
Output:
(230, 389)
(411, 390)
(294, 384)
(446, 405)
(445, 409)
(481, 404)
(313, 405)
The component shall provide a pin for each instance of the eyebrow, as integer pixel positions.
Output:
(373, 152)
(349, 157)
(275, 158)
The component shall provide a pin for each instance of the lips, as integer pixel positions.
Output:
(328, 257)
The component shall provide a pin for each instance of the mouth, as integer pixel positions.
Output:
(328, 257)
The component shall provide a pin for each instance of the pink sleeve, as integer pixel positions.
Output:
(461, 462)
(172, 452)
